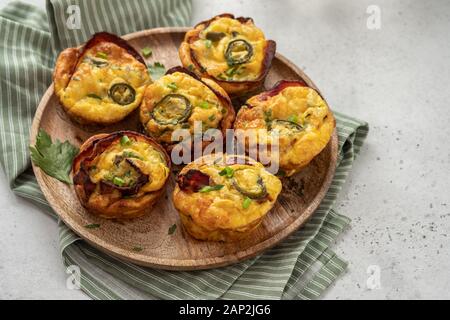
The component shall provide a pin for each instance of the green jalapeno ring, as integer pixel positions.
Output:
(168, 101)
(258, 194)
(236, 44)
(122, 93)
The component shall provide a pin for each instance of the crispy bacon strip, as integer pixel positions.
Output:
(96, 147)
(193, 180)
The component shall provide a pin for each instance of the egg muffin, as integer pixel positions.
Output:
(224, 197)
(180, 99)
(293, 113)
(102, 82)
(231, 51)
(120, 175)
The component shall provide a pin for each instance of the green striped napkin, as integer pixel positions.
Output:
(301, 267)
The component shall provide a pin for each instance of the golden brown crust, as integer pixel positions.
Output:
(69, 60)
(105, 200)
(220, 215)
(314, 116)
(233, 88)
(64, 68)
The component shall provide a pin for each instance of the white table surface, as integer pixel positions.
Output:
(398, 194)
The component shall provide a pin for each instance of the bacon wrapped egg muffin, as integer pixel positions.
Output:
(224, 197)
(180, 99)
(296, 116)
(232, 51)
(120, 175)
(102, 82)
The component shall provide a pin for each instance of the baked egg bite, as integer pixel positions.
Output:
(293, 113)
(231, 51)
(180, 99)
(224, 197)
(120, 175)
(102, 82)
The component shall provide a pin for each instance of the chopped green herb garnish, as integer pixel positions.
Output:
(157, 70)
(55, 159)
(208, 43)
(204, 105)
(118, 181)
(281, 173)
(101, 55)
(227, 171)
(293, 118)
(212, 118)
(246, 203)
(268, 115)
(94, 96)
(125, 141)
(223, 111)
(191, 67)
(92, 226)
(211, 188)
(137, 249)
(232, 71)
(130, 154)
(146, 52)
(172, 86)
(221, 76)
(172, 229)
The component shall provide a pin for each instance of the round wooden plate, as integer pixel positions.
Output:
(301, 194)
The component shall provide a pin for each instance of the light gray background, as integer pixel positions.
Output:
(398, 194)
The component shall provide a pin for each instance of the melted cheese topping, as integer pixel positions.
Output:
(301, 105)
(148, 159)
(211, 54)
(206, 107)
(226, 208)
(86, 95)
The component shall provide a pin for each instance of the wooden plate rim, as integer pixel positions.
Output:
(181, 264)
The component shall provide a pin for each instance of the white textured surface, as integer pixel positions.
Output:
(398, 193)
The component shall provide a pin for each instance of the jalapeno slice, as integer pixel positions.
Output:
(238, 52)
(282, 124)
(172, 109)
(122, 93)
(248, 182)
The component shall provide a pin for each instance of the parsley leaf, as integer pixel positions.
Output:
(55, 159)
(157, 70)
